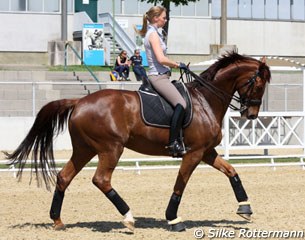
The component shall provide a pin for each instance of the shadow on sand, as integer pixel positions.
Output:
(141, 223)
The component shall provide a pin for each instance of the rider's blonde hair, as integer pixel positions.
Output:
(155, 11)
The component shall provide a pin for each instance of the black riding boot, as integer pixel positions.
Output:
(176, 146)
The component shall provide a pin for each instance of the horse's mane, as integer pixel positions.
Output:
(222, 62)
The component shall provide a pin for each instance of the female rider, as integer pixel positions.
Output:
(159, 73)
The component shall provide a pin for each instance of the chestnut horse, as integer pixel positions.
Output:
(107, 121)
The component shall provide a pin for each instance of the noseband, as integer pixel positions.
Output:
(244, 100)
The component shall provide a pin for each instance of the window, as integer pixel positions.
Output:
(70, 6)
(175, 10)
(271, 9)
(216, 8)
(232, 8)
(244, 9)
(297, 10)
(131, 7)
(4, 5)
(261, 9)
(284, 9)
(106, 6)
(202, 8)
(198, 8)
(35, 5)
(51, 6)
(188, 10)
(18, 5)
(258, 9)
(144, 6)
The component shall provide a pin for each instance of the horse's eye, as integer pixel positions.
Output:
(258, 89)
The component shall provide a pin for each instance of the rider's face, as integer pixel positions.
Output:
(161, 20)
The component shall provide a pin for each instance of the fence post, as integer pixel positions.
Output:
(66, 56)
(303, 139)
(226, 139)
(33, 99)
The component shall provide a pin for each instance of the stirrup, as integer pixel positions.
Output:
(176, 149)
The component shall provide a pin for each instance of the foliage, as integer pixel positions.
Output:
(166, 4)
(79, 68)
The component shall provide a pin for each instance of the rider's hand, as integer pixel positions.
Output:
(183, 66)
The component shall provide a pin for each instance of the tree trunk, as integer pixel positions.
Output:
(166, 4)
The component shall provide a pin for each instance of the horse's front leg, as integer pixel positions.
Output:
(102, 180)
(188, 164)
(244, 209)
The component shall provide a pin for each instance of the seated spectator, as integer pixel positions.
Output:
(137, 67)
(122, 66)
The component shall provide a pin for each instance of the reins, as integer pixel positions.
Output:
(245, 103)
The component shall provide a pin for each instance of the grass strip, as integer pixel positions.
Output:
(176, 163)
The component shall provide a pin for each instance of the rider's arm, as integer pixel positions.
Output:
(156, 46)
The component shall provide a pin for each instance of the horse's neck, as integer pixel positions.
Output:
(224, 86)
(206, 107)
(219, 98)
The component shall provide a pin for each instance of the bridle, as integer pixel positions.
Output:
(243, 99)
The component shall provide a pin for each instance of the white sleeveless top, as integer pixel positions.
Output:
(155, 68)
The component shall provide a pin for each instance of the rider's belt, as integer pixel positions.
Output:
(168, 73)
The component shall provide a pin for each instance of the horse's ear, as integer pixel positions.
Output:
(263, 59)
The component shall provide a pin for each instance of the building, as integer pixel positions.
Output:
(254, 27)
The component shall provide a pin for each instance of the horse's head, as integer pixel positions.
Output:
(234, 72)
(251, 88)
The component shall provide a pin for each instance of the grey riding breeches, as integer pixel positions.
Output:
(166, 89)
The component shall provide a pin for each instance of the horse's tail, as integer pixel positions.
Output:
(49, 122)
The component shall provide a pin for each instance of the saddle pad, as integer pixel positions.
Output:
(156, 111)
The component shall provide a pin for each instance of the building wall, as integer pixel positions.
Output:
(268, 37)
(191, 36)
(195, 35)
(30, 32)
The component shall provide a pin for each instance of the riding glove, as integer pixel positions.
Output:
(183, 66)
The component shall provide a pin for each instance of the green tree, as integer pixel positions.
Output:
(166, 4)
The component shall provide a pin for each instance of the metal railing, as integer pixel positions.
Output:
(116, 30)
(35, 87)
(163, 163)
(79, 57)
(272, 130)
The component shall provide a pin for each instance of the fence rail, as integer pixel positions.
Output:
(283, 130)
(163, 166)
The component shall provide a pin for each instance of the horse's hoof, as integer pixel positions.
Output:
(244, 210)
(176, 225)
(245, 216)
(59, 227)
(130, 225)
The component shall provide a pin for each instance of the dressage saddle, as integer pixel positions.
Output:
(156, 111)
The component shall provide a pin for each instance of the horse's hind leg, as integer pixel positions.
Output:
(102, 180)
(216, 161)
(64, 178)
